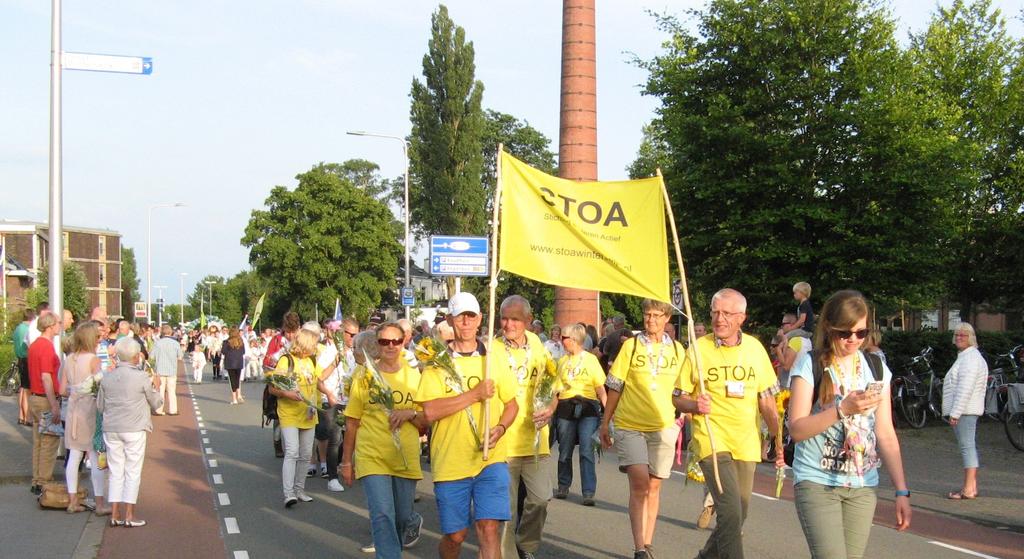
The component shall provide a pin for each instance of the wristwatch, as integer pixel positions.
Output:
(903, 493)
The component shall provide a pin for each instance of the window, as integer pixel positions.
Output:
(103, 245)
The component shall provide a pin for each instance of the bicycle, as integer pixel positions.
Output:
(10, 381)
(918, 390)
(999, 377)
(1014, 423)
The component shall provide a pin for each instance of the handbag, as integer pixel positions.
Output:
(55, 495)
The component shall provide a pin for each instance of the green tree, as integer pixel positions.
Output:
(326, 239)
(794, 149)
(445, 150)
(129, 280)
(76, 296)
(967, 61)
(362, 174)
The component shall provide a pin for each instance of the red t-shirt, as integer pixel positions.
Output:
(42, 359)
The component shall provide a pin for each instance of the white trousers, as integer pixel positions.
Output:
(298, 447)
(125, 455)
(98, 476)
(198, 364)
(169, 393)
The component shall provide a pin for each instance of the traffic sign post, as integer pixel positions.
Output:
(140, 309)
(458, 256)
(408, 296)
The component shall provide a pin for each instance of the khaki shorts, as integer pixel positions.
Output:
(654, 448)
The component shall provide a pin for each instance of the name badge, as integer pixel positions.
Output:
(734, 389)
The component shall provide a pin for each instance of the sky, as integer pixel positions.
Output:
(242, 100)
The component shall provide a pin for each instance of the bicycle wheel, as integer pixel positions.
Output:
(1015, 429)
(913, 407)
(10, 382)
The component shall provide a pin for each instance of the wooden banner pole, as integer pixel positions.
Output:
(493, 285)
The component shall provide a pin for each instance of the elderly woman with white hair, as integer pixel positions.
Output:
(963, 401)
(126, 398)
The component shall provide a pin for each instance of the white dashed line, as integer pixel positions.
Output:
(223, 499)
(206, 440)
(209, 450)
(202, 431)
(231, 525)
(213, 463)
(218, 479)
(962, 550)
(201, 424)
(241, 555)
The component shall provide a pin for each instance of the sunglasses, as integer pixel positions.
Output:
(386, 342)
(566, 338)
(846, 334)
(350, 333)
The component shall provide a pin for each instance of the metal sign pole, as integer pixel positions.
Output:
(56, 229)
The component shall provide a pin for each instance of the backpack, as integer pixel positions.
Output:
(817, 371)
(269, 400)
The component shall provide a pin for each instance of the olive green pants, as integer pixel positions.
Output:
(836, 520)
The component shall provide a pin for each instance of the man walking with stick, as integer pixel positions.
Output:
(739, 382)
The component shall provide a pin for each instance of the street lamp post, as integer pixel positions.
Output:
(405, 153)
(149, 255)
(160, 304)
(181, 295)
(209, 284)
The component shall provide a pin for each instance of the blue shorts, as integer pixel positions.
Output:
(484, 497)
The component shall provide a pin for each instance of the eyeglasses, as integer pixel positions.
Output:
(566, 338)
(726, 314)
(386, 342)
(350, 333)
(845, 334)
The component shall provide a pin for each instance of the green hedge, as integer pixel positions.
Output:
(6, 354)
(901, 347)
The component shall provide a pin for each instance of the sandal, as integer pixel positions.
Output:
(134, 523)
(116, 523)
(961, 496)
(72, 509)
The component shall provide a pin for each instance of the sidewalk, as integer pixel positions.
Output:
(175, 498)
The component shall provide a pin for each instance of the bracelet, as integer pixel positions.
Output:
(839, 411)
(903, 493)
(346, 463)
(503, 428)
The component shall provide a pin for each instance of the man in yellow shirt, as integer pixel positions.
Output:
(739, 383)
(463, 481)
(522, 353)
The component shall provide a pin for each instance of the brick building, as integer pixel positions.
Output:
(96, 251)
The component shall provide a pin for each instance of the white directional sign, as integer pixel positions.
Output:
(458, 256)
(107, 63)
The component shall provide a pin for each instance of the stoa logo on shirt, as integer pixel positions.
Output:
(640, 361)
(730, 372)
(469, 382)
(397, 396)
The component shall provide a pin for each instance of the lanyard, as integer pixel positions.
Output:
(655, 364)
(522, 370)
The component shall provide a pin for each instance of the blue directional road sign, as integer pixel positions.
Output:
(458, 256)
(107, 63)
(408, 297)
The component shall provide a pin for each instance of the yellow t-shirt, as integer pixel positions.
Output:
(307, 373)
(646, 401)
(580, 375)
(453, 451)
(747, 370)
(522, 434)
(375, 452)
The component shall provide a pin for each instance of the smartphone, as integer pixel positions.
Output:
(874, 387)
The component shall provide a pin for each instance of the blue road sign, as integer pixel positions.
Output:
(408, 297)
(458, 256)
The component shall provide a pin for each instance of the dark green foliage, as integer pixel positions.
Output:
(76, 297)
(325, 239)
(796, 149)
(129, 280)
(445, 149)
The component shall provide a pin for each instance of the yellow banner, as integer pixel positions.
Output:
(605, 236)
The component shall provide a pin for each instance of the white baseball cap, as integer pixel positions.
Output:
(463, 302)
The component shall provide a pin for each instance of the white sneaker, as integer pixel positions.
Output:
(336, 486)
(301, 495)
(368, 548)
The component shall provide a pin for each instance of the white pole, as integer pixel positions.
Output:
(181, 295)
(160, 305)
(56, 278)
(493, 284)
(149, 264)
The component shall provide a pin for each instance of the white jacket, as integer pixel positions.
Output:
(963, 389)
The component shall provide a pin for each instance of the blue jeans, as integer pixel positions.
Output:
(965, 431)
(389, 499)
(571, 431)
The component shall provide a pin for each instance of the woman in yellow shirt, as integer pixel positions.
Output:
(297, 418)
(383, 427)
(579, 412)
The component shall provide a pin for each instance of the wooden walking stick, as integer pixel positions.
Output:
(690, 334)
(496, 203)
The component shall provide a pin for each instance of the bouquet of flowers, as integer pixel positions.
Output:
(287, 383)
(90, 385)
(380, 392)
(693, 470)
(781, 403)
(543, 395)
(595, 441)
(433, 352)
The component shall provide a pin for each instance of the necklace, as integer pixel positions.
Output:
(521, 370)
(654, 363)
(572, 372)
